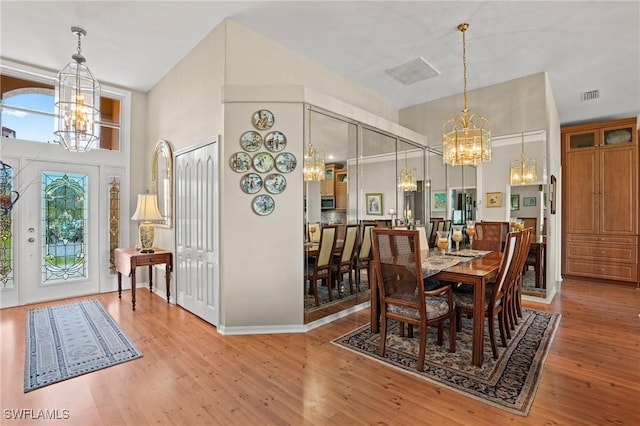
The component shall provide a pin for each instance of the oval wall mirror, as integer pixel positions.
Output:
(162, 180)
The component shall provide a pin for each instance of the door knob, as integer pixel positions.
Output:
(31, 239)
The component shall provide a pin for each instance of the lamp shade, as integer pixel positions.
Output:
(147, 208)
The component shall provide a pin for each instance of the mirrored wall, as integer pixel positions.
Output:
(359, 188)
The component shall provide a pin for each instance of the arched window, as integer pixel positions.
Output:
(28, 113)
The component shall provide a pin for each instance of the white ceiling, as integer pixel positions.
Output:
(583, 46)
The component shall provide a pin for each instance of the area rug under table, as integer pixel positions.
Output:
(71, 339)
(509, 382)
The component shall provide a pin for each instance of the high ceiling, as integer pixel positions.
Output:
(584, 46)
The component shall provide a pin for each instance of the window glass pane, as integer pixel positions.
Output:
(27, 125)
(64, 226)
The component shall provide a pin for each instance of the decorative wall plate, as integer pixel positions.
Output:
(263, 162)
(240, 162)
(286, 162)
(263, 205)
(263, 119)
(251, 183)
(275, 183)
(275, 141)
(251, 140)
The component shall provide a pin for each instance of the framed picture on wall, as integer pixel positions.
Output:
(494, 199)
(515, 202)
(529, 201)
(439, 201)
(374, 203)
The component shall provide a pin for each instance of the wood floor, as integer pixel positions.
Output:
(190, 375)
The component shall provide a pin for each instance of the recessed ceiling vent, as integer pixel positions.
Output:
(414, 71)
(590, 95)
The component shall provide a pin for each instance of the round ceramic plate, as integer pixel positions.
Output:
(286, 162)
(263, 162)
(263, 205)
(240, 162)
(251, 141)
(275, 183)
(275, 141)
(251, 183)
(263, 119)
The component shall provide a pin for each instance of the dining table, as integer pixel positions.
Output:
(477, 271)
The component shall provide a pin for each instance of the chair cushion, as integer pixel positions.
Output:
(464, 299)
(436, 307)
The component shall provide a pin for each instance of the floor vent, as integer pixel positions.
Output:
(413, 71)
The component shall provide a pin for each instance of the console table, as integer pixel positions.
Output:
(128, 259)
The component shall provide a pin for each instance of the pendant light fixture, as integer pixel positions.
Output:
(407, 180)
(313, 167)
(77, 103)
(523, 170)
(466, 139)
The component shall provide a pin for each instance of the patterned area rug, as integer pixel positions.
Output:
(71, 339)
(509, 382)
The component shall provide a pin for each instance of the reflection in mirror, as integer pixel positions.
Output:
(530, 204)
(359, 189)
(326, 204)
(162, 180)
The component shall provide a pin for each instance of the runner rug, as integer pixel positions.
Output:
(509, 382)
(67, 340)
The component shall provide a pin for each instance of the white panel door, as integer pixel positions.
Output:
(196, 220)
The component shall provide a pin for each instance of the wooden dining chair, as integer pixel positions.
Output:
(489, 236)
(514, 292)
(398, 271)
(321, 266)
(344, 260)
(364, 253)
(494, 304)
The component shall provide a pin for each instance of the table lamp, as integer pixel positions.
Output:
(146, 211)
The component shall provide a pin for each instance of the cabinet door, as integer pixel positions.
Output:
(581, 140)
(618, 190)
(582, 191)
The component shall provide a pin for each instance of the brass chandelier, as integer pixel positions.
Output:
(77, 103)
(466, 139)
(407, 180)
(313, 166)
(524, 169)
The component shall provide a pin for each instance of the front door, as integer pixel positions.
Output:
(57, 236)
(59, 228)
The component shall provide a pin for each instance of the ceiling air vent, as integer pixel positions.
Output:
(590, 95)
(414, 71)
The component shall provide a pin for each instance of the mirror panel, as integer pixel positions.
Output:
(162, 180)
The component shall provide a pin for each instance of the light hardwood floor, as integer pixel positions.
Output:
(190, 375)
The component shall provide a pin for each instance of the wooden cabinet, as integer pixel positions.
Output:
(600, 200)
(327, 186)
(341, 190)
